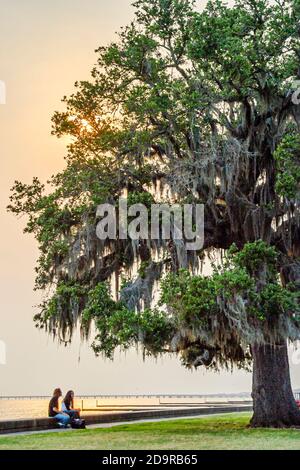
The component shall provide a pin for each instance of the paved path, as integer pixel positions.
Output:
(110, 425)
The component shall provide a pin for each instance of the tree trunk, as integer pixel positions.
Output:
(273, 400)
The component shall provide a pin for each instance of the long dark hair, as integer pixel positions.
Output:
(68, 400)
(57, 393)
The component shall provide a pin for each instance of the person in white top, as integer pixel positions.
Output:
(67, 406)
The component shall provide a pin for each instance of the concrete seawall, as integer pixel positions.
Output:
(39, 424)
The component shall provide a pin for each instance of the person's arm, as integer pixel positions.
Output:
(75, 409)
(57, 411)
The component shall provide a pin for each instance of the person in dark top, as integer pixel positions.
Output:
(67, 406)
(62, 418)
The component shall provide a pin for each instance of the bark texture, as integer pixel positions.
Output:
(273, 399)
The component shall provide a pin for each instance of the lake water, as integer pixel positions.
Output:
(38, 408)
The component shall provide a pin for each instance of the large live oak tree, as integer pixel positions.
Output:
(194, 107)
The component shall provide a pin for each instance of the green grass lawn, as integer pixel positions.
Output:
(215, 432)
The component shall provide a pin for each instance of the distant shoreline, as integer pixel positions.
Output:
(132, 396)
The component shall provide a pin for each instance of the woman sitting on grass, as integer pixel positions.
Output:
(62, 418)
(67, 406)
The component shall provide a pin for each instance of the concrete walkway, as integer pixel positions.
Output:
(110, 425)
(49, 424)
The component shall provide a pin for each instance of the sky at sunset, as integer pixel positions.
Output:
(45, 46)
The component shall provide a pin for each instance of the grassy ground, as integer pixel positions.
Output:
(216, 432)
